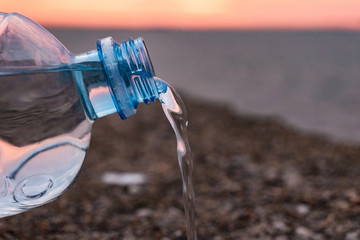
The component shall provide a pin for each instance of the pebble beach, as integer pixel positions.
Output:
(254, 177)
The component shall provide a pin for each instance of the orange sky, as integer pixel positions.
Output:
(191, 14)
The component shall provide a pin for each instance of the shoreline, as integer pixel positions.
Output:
(308, 78)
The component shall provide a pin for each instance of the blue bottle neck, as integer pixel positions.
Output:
(116, 78)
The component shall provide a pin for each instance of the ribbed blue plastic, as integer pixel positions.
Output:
(130, 74)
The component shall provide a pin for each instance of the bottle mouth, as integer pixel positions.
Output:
(142, 57)
(140, 71)
(129, 74)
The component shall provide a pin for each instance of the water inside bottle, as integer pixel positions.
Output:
(44, 137)
(175, 111)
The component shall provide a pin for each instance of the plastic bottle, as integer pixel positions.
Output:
(49, 99)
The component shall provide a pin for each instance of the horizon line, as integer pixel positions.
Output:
(206, 29)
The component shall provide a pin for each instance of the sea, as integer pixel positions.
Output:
(309, 80)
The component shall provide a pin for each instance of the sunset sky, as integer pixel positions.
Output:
(191, 14)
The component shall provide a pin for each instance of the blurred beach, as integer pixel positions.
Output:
(306, 79)
(260, 104)
(254, 179)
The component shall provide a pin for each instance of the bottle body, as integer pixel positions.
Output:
(44, 130)
(49, 99)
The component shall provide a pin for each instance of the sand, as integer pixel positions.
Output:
(255, 178)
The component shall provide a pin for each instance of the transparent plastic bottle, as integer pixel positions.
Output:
(49, 99)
